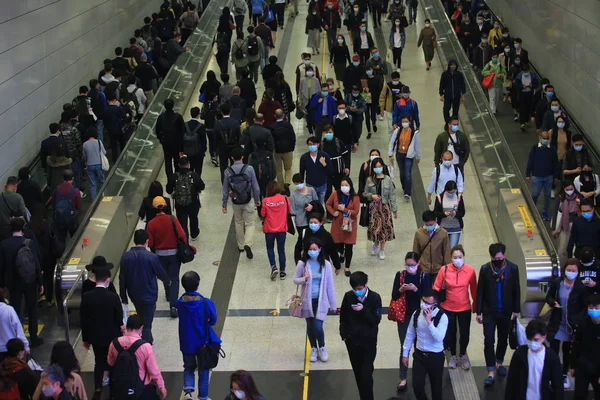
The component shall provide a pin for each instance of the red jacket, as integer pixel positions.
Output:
(64, 189)
(162, 235)
(275, 210)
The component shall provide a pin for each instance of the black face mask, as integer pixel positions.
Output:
(498, 263)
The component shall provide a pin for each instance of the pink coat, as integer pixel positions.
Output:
(326, 291)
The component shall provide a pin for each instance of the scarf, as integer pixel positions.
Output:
(567, 207)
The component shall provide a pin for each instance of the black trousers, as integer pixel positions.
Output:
(364, 55)
(566, 349)
(362, 356)
(583, 378)
(239, 23)
(196, 163)
(371, 113)
(189, 213)
(100, 364)
(454, 104)
(299, 243)
(224, 163)
(428, 364)
(17, 292)
(171, 157)
(223, 61)
(525, 104)
(458, 320)
(185, 34)
(279, 13)
(347, 250)
(212, 142)
(492, 323)
(117, 144)
(48, 267)
(397, 57)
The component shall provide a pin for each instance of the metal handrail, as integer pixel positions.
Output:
(66, 306)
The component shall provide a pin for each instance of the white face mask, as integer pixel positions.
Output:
(309, 73)
(405, 124)
(458, 262)
(412, 269)
(345, 189)
(427, 25)
(300, 186)
(425, 306)
(342, 112)
(306, 62)
(373, 157)
(239, 394)
(569, 192)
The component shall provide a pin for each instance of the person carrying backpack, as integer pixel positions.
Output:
(240, 184)
(67, 202)
(125, 355)
(255, 51)
(136, 96)
(195, 141)
(223, 45)
(188, 21)
(184, 187)
(227, 137)
(169, 131)
(239, 56)
(263, 162)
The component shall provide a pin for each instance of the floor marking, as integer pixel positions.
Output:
(26, 329)
(306, 370)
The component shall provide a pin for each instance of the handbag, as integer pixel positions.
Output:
(294, 303)
(185, 253)
(291, 229)
(488, 81)
(397, 308)
(364, 216)
(104, 160)
(300, 112)
(208, 355)
(347, 224)
(202, 97)
(442, 295)
(270, 17)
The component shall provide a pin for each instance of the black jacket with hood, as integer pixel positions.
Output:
(452, 84)
(518, 375)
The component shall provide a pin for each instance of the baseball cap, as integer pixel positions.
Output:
(159, 202)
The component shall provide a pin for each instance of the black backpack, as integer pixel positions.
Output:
(240, 186)
(183, 194)
(129, 98)
(262, 162)
(437, 175)
(252, 46)
(239, 53)
(125, 382)
(228, 138)
(436, 319)
(191, 143)
(26, 263)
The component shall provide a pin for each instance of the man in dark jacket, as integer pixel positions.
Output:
(258, 133)
(99, 104)
(137, 277)
(542, 171)
(147, 74)
(184, 187)
(545, 367)
(29, 190)
(237, 105)
(49, 144)
(353, 74)
(114, 118)
(498, 301)
(82, 104)
(482, 55)
(194, 125)
(169, 131)
(360, 315)
(247, 89)
(284, 137)
(331, 22)
(22, 280)
(119, 62)
(227, 137)
(589, 271)
(455, 141)
(543, 105)
(101, 322)
(585, 230)
(452, 89)
(585, 352)
(363, 43)
(576, 159)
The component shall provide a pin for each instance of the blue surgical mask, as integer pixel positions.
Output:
(594, 313)
(447, 163)
(363, 28)
(406, 95)
(560, 125)
(329, 6)
(545, 142)
(454, 128)
(450, 194)
(356, 63)
(578, 148)
(555, 108)
(517, 62)
(375, 55)
(378, 170)
(550, 94)
(360, 293)
(328, 137)
(47, 390)
(587, 215)
(431, 228)
(312, 148)
(571, 275)
(369, 73)
(314, 227)
(324, 94)
(340, 41)
(355, 94)
(534, 346)
(313, 254)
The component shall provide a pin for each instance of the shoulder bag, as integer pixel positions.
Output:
(103, 159)
(397, 308)
(185, 253)
(295, 302)
(208, 356)
(291, 229)
(442, 292)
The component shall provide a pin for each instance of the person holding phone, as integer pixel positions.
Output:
(304, 199)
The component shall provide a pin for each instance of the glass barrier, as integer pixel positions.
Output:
(489, 146)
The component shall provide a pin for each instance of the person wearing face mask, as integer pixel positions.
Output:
(560, 138)
(53, 384)
(495, 36)
(331, 23)
(585, 351)
(431, 241)
(456, 18)
(428, 39)
(356, 106)
(483, 26)
(323, 108)
(525, 83)
(302, 69)
(314, 27)
(404, 147)
(380, 192)
(275, 208)
(363, 43)
(353, 22)
(376, 63)
(390, 93)
(542, 171)
(565, 212)
(520, 51)
(315, 166)
(406, 106)
(585, 231)
(482, 54)
(511, 91)
(339, 156)
(353, 74)
(316, 231)
(396, 41)
(371, 93)
(303, 200)
(458, 278)
(339, 56)
(455, 141)
(334, 92)
(495, 68)
(365, 172)
(242, 387)
(543, 105)
(498, 301)
(576, 158)
(587, 185)
(567, 297)
(344, 205)
(360, 315)
(396, 12)
(315, 275)
(552, 114)
(468, 36)
(450, 210)
(444, 172)
(535, 370)
(426, 330)
(343, 128)
(308, 88)
(410, 284)
(452, 89)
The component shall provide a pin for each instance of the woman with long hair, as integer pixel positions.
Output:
(397, 40)
(428, 39)
(380, 192)
(242, 387)
(63, 355)
(268, 106)
(340, 59)
(450, 211)
(315, 275)
(283, 93)
(147, 212)
(274, 210)
(565, 212)
(344, 205)
(366, 170)
(304, 200)
(313, 29)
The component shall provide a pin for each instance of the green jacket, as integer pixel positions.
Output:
(499, 70)
(441, 145)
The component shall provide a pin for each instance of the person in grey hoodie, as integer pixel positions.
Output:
(139, 94)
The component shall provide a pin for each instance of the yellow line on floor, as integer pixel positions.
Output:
(306, 370)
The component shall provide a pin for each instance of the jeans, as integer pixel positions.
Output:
(76, 167)
(491, 323)
(100, 364)
(100, 129)
(185, 213)
(314, 328)
(412, 14)
(190, 363)
(96, 176)
(448, 104)
(454, 238)
(172, 266)
(431, 365)
(270, 239)
(539, 183)
(146, 312)
(460, 319)
(402, 328)
(321, 190)
(405, 165)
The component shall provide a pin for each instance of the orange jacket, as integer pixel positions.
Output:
(458, 283)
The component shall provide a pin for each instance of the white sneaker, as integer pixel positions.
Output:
(323, 356)
(374, 249)
(381, 255)
(380, 117)
(314, 354)
(567, 382)
(452, 362)
(552, 194)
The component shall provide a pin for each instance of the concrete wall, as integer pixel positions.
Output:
(562, 39)
(48, 48)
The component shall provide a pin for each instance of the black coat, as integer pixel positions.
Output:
(31, 193)
(329, 248)
(487, 299)
(359, 326)
(452, 85)
(101, 316)
(576, 307)
(149, 212)
(8, 255)
(518, 373)
(284, 136)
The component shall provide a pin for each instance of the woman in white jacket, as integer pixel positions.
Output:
(315, 275)
(404, 145)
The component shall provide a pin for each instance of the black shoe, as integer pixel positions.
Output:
(374, 127)
(347, 272)
(248, 251)
(369, 135)
(282, 275)
(35, 342)
(274, 272)
(174, 313)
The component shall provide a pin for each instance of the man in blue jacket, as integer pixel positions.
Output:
(452, 89)
(324, 108)
(542, 170)
(406, 106)
(137, 277)
(197, 315)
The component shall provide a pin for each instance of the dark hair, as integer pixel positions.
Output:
(458, 247)
(118, 51)
(352, 193)
(297, 178)
(250, 115)
(395, 74)
(496, 248)
(54, 127)
(594, 300)
(374, 163)
(358, 278)
(586, 202)
(432, 293)
(134, 322)
(250, 29)
(91, 132)
(237, 153)
(411, 255)
(570, 261)
(450, 185)
(12, 180)
(225, 109)
(535, 327)
(273, 188)
(83, 89)
(155, 189)
(67, 175)
(140, 237)
(245, 382)
(225, 78)
(195, 112)
(312, 139)
(64, 356)
(102, 274)
(321, 258)
(17, 224)
(316, 215)
(585, 254)
(132, 40)
(169, 104)
(24, 174)
(93, 83)
(577, 137)
(183, 161)
(190, 281)
(14, 346)
(429, 215)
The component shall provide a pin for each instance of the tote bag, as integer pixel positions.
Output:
(105, 163)
(488, 81)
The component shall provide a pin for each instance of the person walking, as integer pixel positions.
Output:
(406, 106)
(428, 39)
(565, 211)
(10, 327)
(360, 315)
(93, 149)
(138, 272)
(284, 137)
(318, 231)
(498, 302)
(15, 371)
(344, 206)
(170, 128)
(147, 212)
(313, 29)
(339, 56)
(164, 231)
(380, 192)
(315, 275)
(495, 90)
(371, 93)
(411, 284)
(442, 173)
(197, 316)
(542, 171)
(315, 166)
(432, 242)
(195, 141)
(303, 200)
(397, 41)
(240, 184)
(274, 210)
(450, 211)
(427, 329)
(255, 50)
(227, 137)
(404, 145)
(585, 358)
(455, 141)
(452, 90)
(185, 187)
(525, 83)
